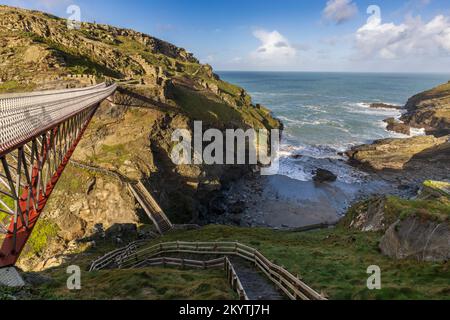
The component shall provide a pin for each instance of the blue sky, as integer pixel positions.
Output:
(293, 35)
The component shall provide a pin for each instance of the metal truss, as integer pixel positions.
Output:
(33, 159)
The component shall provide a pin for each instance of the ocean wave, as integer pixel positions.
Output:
(313, 158)
(418, 132)
(303, 122)
(364, 108)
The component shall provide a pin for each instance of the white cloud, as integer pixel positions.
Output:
(340, 11)
(413, 38)
(275, 49)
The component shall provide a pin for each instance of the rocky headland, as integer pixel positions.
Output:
(161, 88)
(416, 227)
(404, 193)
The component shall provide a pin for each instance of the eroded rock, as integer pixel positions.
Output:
(393, 153)
(415, 238)
(396, 126)
(370, 215)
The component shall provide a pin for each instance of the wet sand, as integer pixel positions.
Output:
(281, 202)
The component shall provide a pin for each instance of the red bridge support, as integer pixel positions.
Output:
(29, 174)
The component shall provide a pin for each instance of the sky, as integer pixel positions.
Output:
(285, 35)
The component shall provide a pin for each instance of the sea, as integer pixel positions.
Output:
(326, 114)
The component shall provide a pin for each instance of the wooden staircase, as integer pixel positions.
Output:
(151, 207)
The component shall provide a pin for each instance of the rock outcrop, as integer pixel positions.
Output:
(411, 229)
(369, 215)
(430, 110)
(394, 153)
(396, 126)
(414, 238)
(385, 106)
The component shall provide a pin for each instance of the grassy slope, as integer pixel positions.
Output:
(397, 208)
(144, 284)
(331, 261)
(335, 261)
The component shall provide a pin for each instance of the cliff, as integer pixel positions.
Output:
(162, 88)
(430, 110)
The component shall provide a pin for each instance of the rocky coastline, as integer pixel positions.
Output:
(396, 168)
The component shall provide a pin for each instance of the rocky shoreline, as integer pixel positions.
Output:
(392, 166)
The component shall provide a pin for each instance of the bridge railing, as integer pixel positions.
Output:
(24, 116)
(291, 285)
(38, 134)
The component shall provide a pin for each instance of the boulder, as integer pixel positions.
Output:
(384, 106)
(399, 127)
(419, 239)
(322, 175)
(71, 226)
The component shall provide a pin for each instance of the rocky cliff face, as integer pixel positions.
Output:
(430, 110)
(414, 238)
(409, 229)
(162, 88)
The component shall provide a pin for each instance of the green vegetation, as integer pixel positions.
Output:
(116, 154)
(216, 112)
(438, 209)
(199, 107)
(395, 208)
(335, 261)
(439, 188)
(72, 180)
(43, 231)
(75, 62)
(148, 284)
(15, 86)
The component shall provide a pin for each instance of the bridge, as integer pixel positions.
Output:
(39, 132)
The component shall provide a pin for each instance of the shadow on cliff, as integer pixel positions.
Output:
(434, 161)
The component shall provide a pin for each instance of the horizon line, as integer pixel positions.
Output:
(308, 71)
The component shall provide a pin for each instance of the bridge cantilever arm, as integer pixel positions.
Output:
(38, 135)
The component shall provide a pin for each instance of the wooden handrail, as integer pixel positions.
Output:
(292, 286)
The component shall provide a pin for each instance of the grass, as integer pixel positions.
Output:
(199, 107)
(440, 187)
(15, 86)
(335, 261)
(437, 210)
(8, 201)
(76, 62)
(73, 180)
(220, 114)
(143, 284)
(396, 208)
(116, 154)
(43, 231)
